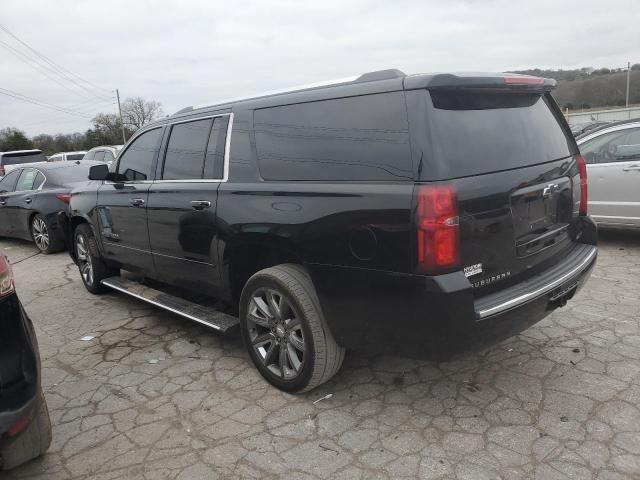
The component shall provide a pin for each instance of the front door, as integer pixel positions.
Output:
(613, 161)
(122, 204)
(182, 204)
(20, 204)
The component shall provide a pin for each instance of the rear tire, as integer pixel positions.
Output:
(285, 331)
(92, 267)
(30, 443)
(45, 239)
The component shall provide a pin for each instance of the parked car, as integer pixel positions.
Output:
(582, 128)
(34, 201)
(11, 160)
(418, 215)
(104, 153)
(66, 156)
(25, 427)
(613, 162)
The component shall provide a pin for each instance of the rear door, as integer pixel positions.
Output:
(182, 203)
(613, 163)
(7, 186)
(122, 205)
(510, 158)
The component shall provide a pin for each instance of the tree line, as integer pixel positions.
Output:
(106, 129)
(586, 88)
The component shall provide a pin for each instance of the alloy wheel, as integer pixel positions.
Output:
(84, 260)
(40, 233)
(276, 334)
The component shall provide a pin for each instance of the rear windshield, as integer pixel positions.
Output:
(479, 132)
(18, 158)
(66, 176)
(75, 156)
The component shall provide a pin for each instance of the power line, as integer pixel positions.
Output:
(31, 62)
(40, 103)
(60, 70)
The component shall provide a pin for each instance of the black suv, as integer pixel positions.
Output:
(412, 214)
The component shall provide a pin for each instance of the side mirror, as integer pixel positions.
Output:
(98, 172)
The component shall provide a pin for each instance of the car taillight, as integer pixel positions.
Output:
(65, 197)
(522, 80)
(2, 174)
(6, 277)
(438, 228)
(582, 169)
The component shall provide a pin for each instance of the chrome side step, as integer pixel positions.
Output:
(215, 319)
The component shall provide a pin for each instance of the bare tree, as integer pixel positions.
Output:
(137, 112)
(106, 129)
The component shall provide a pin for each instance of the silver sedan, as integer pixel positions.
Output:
(613, 170)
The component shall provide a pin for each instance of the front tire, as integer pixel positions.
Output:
(46, 240)
(92, 267)
(285, 331)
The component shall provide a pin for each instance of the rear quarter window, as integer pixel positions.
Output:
(19, 159)
(356, 138)
(474, 132)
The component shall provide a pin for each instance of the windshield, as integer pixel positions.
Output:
(478, 132)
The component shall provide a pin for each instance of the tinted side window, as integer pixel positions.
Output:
(99, 156)
(185, 151)
(25, 182)
(358, 138)
(214, 162)
(136, 162)
(37, 183)
(8, 182)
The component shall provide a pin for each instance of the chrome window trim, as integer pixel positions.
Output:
(31, 190)
(129, 143)
(227, 148)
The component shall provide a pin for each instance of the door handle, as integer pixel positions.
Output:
(631, 167)
(3, 202)
(200, 204)
(137, 202)
(27, 200)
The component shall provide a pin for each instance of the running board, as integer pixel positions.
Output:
(210, 317)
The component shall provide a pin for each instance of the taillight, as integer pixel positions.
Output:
(2, 174)
(438, 228)
(582, 169)
(65, 197)
(522, 80)
(6, 277)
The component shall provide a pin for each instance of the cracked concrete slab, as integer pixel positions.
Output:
(153, 396)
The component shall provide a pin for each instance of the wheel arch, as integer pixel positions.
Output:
(249, 253)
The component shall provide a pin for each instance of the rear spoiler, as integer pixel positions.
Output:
(503, 81)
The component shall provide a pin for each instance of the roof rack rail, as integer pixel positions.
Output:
(381, 75)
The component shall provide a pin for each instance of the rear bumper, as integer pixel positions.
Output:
(19, 367)
(437, 317)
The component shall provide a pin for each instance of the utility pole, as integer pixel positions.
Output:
(124, 138)
(628, 76)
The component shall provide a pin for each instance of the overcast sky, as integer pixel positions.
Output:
(187, 52)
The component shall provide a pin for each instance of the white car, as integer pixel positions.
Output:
(104, 153)
(66, 156)
(613, 171)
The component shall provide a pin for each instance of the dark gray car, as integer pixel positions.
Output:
(34, 199)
